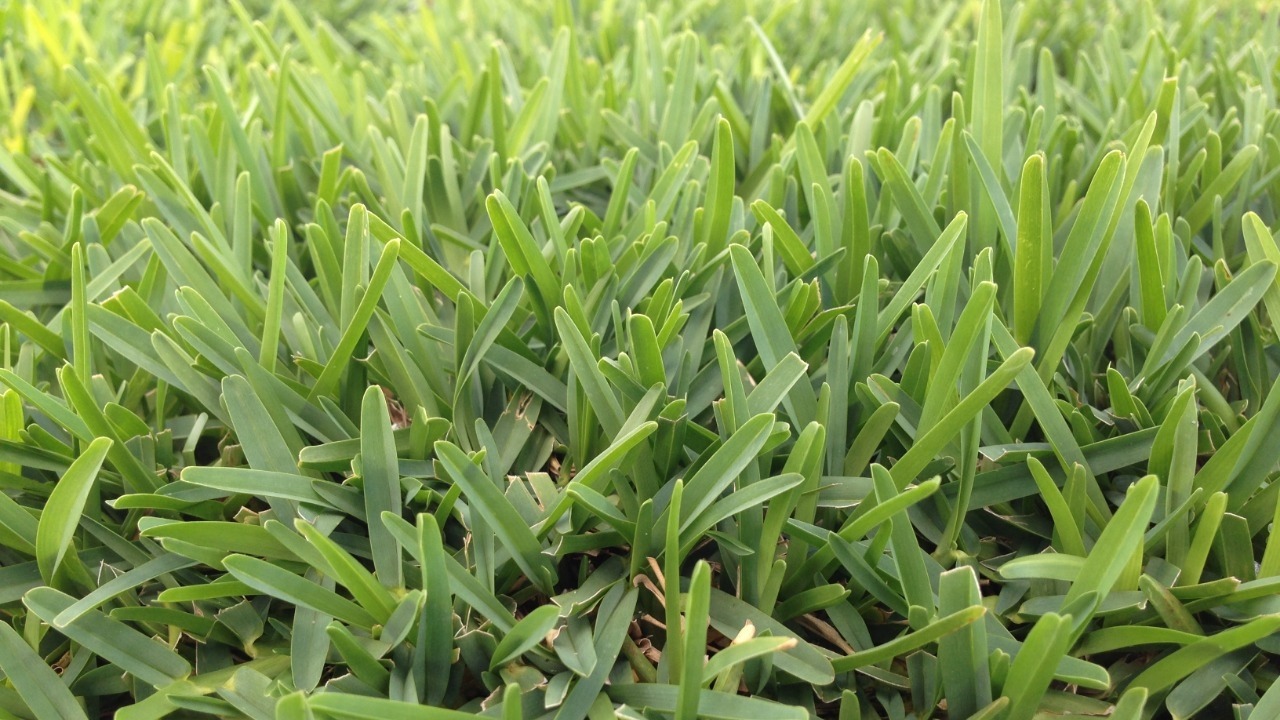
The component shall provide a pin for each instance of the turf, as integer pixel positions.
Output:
(595, 358)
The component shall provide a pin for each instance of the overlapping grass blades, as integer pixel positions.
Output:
(588, 359)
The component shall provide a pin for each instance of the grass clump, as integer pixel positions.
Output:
(592, 359)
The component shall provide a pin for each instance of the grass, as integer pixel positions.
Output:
(606, 358)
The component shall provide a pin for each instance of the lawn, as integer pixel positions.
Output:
(583, 359)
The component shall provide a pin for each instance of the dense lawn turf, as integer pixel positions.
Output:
(594, 358)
